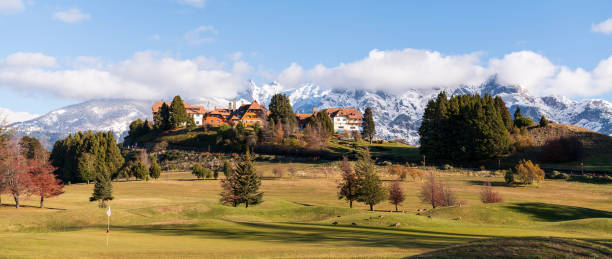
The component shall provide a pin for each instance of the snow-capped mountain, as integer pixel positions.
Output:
(397, 116)
(96, 115)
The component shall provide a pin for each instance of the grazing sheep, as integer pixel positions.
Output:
(380, 216)
(397, 225)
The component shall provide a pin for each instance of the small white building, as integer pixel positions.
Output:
(345, 119)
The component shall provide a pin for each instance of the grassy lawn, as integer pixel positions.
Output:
(177, 216)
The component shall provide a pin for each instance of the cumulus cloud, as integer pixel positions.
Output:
(8, 116)
(146, 75)
(398, 70)
(604, 27)
(11, 6)
(26, 59)
(72, 15)
(202, 34)
(194, 3)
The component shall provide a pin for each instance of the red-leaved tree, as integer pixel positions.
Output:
(14, 172)
(43, 181)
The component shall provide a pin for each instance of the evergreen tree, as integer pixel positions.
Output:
(31, 148)
(155, 170)
(371, 190)
(178, 113)
(243, 185)
(162, 117)
(86, 169)
(517, 113)
(198, 171)
(103, 189)
(543, 121)
(503, 111)
(322, 120)
(140, 171)
(281, 111)
(227, 169)
(369, 128)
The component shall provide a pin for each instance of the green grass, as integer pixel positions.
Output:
(177, 216)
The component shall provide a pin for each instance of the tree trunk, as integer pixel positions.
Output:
(371, 207)
(247, 204)
(395, 207)
(42, 199)
(351, 204)
(16, 197)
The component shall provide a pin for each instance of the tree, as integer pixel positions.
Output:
(31, 148)
(103, 189)
(281, 111)
(14, 172)
(155, 170)
(44, 182)
(503, 111)
(437, 193)
(528, 172)
(86, 167)
(463, 128)
(322, 120)
(227, 169)
(243, 185)
(520, 121)
(140, 171)
(543, 121)
(178, 113)
(371, 190)
(369, 128)
(396, 195)
(198, 171)
(349, 185)
(162, 117)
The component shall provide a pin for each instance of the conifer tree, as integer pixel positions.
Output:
(140, 171)
(86, 169)
(322, 120)
(369, 128)
(155, 170)
(281, 111)
(198, 171)
(31, 148)
(227, 169)
(543, 121)
(243, 185)
(103, 189)
(503, 111)
(371, 190)
(178, 113)
(162, 117)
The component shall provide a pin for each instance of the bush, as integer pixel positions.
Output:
(528, 172)
(199, 171)
(487, 195)
(543, 122)
(446, 167)
(522, 122)
(509, 177)
(279, 171)
(437, 193)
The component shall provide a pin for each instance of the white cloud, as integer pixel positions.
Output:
(11, 6)
(145, 75)
(71, 15)
(398, 70)
(194, 3)
(202, 34)
(604, 27)
(27, 59)
(8, 116)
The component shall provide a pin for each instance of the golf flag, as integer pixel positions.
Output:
(108, 211)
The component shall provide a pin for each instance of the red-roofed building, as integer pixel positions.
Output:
(197, 112)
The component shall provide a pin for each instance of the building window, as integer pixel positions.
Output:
(341, 127)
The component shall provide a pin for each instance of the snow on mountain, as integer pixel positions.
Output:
(397, 116)
(96, 115)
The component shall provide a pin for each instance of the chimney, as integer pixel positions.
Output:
(230, 106)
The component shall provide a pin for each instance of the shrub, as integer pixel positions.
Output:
(528, 172)
(398, 170)
(522, 122)
(279, 171)
(509, 177)
(563, 149)
(446, 167)
(543, 121)
(487, 195)
(414, 174)
(437, 193)
(199, 171)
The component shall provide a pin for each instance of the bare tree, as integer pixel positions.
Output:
(436, 193)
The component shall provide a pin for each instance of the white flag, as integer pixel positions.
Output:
(108, 211)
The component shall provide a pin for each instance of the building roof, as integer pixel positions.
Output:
(189, 108)
(350, 113)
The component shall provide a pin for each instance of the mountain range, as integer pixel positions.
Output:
(397, 116)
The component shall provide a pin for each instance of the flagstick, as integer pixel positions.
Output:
(107, 230)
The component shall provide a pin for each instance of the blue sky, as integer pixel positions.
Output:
(77, 50)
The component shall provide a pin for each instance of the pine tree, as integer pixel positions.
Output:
(503, 111)
(322, 120)
(371, 190)
(517, 113)
(140, 171)
(349, 186)
(243, 185)
(31, 148)
(281, 111)
(543, 121)
(155, 170)
(162, 117)
(103, 189)
(369, 128)
(227, 169)
(178, 113)
(86, 169)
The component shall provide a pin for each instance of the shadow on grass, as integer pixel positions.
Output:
(493, 183)
(28, 206)
(553, 212)
(314, 233)
(592, 180)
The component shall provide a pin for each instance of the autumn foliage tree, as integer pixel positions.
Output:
(529, 173)
(349, 185)
(14, 172)
(437, 193)
(396, 195)
(43, 181)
